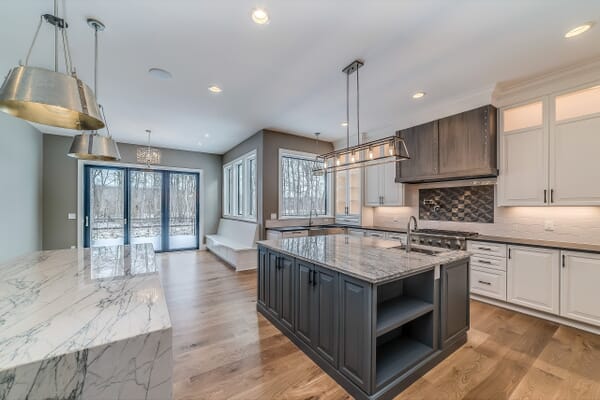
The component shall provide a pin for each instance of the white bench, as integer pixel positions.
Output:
(235, 243)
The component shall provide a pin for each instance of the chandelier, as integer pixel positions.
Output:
(381, 151)
(148, 155)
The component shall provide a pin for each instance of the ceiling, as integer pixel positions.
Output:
(287, 75)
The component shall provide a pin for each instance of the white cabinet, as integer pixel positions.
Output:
(488, 282)
(348, 196)
(548, 150)
(580, 295)
(381, 188)
(533, 278)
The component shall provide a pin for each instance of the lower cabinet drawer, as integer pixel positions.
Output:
(488, 282)
(482, 261)
(290, 234)
(491, 249)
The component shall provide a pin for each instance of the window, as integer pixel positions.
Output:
(239, 187)
(301, 192)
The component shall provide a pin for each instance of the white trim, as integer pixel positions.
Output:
(330, 189)
(80, 185)
(538, 314)
(242, 160)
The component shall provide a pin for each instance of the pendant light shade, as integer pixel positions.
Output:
(50, 98)
(92, 146)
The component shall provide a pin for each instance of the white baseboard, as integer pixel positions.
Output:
(539, 314)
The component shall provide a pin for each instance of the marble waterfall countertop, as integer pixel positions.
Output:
(62, 301)
(369, 259)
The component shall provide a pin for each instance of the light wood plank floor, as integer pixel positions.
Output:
(223, 349)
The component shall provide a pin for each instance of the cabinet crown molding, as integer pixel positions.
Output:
(556, 80)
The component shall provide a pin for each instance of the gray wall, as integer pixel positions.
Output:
(21, 183)
(60, 187)
(272, 142)
(267, 144)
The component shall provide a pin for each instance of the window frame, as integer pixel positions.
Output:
(236, 177)
(328, 184)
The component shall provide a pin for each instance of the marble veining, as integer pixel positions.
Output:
(62, 302)
(369, 259)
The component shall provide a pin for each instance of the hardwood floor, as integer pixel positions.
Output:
(223, 349)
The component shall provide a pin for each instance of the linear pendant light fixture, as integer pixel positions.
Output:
(94, 146)
(50, 97)
(381, 151)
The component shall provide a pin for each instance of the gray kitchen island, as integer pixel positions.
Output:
(372, 315)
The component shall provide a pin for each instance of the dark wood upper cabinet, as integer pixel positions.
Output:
(461, 146)
(422, 144)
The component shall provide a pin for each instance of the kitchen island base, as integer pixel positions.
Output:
(374, 336)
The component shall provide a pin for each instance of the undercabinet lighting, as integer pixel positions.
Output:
(418, 95)
(215, 89)
(579, 30)
(260, 16)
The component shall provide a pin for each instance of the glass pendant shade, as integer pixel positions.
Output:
(50, 98)
(92, 146)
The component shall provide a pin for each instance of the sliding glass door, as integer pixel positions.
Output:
(128, 205)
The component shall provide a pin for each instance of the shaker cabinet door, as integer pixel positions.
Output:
(533, 278)
(304, 289)
(286, 290)
(580, 298)
(355, 331)
(325, 315)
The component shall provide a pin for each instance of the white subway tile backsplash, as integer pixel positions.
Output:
(571, 224)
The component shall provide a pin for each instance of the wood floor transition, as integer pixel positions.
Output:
(223, 349)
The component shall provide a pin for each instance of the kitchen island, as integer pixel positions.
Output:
(84, 324)
(370, 314)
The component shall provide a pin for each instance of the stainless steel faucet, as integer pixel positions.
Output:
(409, 232)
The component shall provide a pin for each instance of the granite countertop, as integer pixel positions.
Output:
(369, 259)
(587, 247)
(63, 301)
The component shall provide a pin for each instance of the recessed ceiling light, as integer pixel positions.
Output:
(215, 89)
(579, 30)
(200, 144)
(206, 135)
(160, 73)
(260, 16)
(344, 124)
(418, 95)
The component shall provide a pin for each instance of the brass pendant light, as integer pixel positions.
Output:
(93, 146)
(50, 97)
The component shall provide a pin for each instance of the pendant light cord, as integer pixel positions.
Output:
(37, 31)
(357, 108)
(347, 110)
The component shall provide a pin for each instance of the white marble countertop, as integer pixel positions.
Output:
(62, 301)
(369, 259)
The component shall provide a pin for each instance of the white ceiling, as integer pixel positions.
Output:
(287, 75)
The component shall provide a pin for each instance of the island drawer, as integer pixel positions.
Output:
(487, 248)
(488, 282)
(485, 261)
(290, 234)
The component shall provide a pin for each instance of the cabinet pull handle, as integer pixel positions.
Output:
(485, 248)
(485, 283)
(563, 261)
(545, 191)
(310, 271)
(484, 261)
(551, 195)
(314, 279)
(509, 252)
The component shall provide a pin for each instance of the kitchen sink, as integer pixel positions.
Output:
(414, 249)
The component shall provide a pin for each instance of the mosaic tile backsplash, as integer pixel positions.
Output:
(457, 204)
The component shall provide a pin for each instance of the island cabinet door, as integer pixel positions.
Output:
(325, 313)
(272, 267)
(262, 276)
(285, 291)
(304, 288)
(355, 331)
(454, 301)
